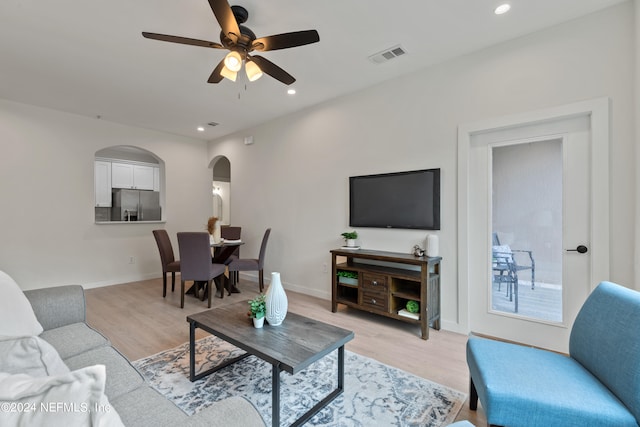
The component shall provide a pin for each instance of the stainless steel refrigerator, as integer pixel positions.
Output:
(135, 205)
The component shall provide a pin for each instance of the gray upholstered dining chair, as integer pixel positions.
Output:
(252, 264)
(169, 263)
(229, 232)
(196, 265)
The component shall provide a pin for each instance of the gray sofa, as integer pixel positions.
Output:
(61, 312)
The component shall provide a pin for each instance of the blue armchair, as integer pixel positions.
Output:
(598, 384)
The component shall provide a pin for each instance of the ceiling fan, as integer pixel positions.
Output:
(241, 42)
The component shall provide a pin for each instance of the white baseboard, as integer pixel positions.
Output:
(450, 326)
(123, 279)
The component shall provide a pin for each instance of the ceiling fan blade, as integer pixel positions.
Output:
(182, 40)
(286, 40)
(215, 76)
(272, 69)
(224, 15)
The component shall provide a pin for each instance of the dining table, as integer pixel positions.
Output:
(221, 253)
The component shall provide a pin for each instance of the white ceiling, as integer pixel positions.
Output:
(88, 56)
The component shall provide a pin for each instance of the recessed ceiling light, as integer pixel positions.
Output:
(503, 8)
(291, 91)
(200, 129)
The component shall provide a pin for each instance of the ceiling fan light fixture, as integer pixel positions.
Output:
(233, 61)
(228, 74)
(253, 71)
(240, 42)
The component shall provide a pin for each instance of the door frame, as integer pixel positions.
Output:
(599, 112)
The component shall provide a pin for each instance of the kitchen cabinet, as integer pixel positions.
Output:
(142, 177)
(102, 184)
(132, 176)
(156, 179)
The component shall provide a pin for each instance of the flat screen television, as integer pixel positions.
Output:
(408, 200)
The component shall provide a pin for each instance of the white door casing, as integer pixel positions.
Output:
(473, 230)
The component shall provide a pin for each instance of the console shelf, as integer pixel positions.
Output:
(386, 281)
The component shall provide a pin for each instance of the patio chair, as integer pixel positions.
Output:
(506, 267)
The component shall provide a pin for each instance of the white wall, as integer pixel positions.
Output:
(47, 225)
(295, 177)
(637, 141)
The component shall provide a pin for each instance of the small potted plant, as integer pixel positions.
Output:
(347, 277)
(257, 310)
(350, 238)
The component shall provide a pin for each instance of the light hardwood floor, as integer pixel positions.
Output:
(139, 323)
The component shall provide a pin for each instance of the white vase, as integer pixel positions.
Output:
(351, 243)
(276, 301)
(432, 245)
(258, 323)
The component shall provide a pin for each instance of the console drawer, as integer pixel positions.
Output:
(375, 300)
(374, 282)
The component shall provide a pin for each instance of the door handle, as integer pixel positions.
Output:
(580, 249)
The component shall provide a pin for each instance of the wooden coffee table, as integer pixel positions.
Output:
(290, 347)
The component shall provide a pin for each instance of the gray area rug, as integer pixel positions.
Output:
(375, 394)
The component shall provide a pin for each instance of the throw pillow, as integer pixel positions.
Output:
(16, 314)
(73, 399)
(32, 356)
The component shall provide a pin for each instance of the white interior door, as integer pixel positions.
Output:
(533, 185)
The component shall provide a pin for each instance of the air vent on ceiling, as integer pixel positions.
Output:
(387, 55)
(213, 124)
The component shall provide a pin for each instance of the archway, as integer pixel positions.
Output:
(221, 188)
(128, 168)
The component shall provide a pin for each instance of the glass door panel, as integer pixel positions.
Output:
(527, 208)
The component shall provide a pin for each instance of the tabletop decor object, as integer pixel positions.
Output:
(413, 306)
(432, 245)
(350, 238)
(276, 301)
(257, 310)
(213, 227)
(347, 277)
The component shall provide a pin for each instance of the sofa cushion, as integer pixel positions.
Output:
(121, 376)
(146, 407)
(58, 306)
(74, 339)
(525, 386)
(16, 314)
(71, 399)
(31, 356)
(604, 339)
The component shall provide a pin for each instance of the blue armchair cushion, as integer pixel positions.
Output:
(605, 340)
(523, 386)
(597, 385)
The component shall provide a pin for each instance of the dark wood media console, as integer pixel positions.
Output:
(384, 288)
